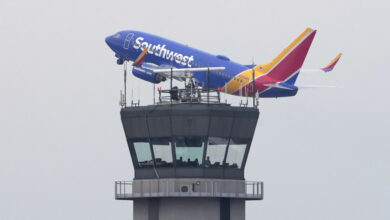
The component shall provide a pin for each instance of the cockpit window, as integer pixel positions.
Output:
(117, 35)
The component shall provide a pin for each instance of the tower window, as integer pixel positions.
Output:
(162, 149)
(235, 154)
(189, 151)
(216, 149)
(144, 155)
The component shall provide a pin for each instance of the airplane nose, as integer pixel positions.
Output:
(109, 41)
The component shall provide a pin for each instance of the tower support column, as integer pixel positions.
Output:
(189, 209)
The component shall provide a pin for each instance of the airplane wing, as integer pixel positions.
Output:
(167, 71)
(188, 70)
(325, 69)
(182, 73)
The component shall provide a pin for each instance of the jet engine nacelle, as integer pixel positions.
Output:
(147, 74)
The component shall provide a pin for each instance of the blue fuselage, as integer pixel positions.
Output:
(128, 45)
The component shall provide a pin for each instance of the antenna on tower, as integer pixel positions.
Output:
(131, 97)
(125, 82)
(154, 93)
(254, 92)
(122, 99)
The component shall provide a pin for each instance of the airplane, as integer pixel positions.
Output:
(155, 59)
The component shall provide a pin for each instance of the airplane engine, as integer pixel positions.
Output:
(119, 61)
(147, 74)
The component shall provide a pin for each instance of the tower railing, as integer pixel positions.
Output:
(249, 190)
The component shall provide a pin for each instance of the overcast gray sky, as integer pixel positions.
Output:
(323, 154)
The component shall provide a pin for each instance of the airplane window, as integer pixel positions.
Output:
(162, 149)
(189, 151)
(216, 149)
(235, 154)
(144, 155)
(117, 35)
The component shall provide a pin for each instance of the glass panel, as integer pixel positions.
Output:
(216, 149)
(189, 151)
(144, 156)
(235, 154)
(117, 35)
(162, 149)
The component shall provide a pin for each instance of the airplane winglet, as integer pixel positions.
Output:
(141, 57)
(332, 64)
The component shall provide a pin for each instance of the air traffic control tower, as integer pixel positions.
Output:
(189, 152)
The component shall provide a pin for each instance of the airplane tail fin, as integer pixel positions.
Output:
(286, 66)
